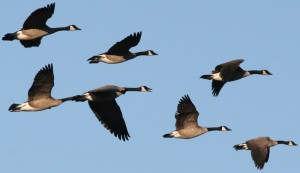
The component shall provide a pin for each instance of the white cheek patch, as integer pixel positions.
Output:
(150, 53)
(72, 28)
(264, 72)
(143, 89)
(290, 143)
(223, 129)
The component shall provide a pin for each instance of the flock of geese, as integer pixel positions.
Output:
(102, 101)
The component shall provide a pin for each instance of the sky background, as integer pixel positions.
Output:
(191, 38)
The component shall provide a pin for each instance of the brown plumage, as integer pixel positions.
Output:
(39, 94)
(186, 121)
(260, 149)
(227, 72)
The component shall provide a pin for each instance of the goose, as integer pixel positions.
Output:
(260, 149)
(186, 121)
(120, 51)
(102, 102)
(227, 72)
(35, 28)
(39, 94)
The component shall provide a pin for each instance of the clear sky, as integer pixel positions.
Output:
(191, 38)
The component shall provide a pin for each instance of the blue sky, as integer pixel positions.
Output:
(191, 38)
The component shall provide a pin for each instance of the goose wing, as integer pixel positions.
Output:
(127, 43)
(31, 43)
(42, 84)
(259, 151)
(228, 68)
(187, 114)
(216, 87)
(110, 115)
(39, 17)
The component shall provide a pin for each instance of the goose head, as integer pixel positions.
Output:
(291, 143)
(145, 89)
(151, 53)
(266, 72)
(73, 28)
(224, 128)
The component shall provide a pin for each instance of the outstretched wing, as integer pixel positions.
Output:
(110, 115)
(39, 17)
(187, 114)
(127, 43)
(216, 87)
(42, 84)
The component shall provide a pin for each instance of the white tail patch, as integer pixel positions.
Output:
(244, 146)
(216, 76)
(175, 134)
(25, 107)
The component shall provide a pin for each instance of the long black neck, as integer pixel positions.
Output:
(68, 99)
(283, 142)
(255, 72)
(141, 53)
(133, 89)
(66, 28)
(213, 128)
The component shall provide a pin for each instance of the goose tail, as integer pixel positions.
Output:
(208, 77)
(9, 37)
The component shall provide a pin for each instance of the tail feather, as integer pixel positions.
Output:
(208, 77)
(240, 147)
(94, 59)
(13, 107)
(168, 135)
(9, 37)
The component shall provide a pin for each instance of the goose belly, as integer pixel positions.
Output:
(190, 132)
(114, 59)
(30, 34)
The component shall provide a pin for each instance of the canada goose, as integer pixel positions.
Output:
(120, 51)
(260, 149)
(35, 28)
(103, 104)
(227, 72)
(39, 95)
(186, 121)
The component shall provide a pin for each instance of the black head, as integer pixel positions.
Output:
(224, 128)
(292, 143)
(266, 72)
(73, 28)
(151, 52)
(145, 89)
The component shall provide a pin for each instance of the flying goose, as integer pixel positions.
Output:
(186, 121)
(120, 51)
(103, 104)
(39, 94)
(35, 28)
(227, 72)
(260, 149)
